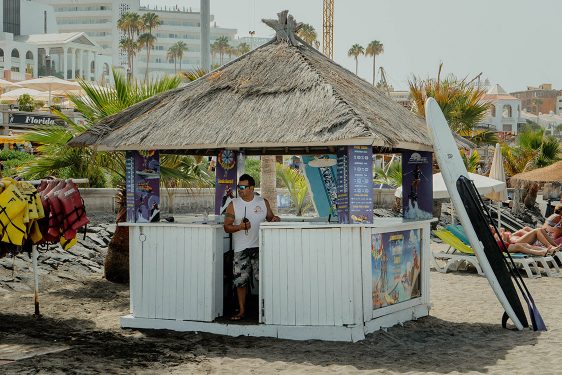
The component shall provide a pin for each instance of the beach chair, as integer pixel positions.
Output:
(527, 262)
(457, 253)
(466, 254)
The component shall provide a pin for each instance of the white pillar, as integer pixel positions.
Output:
(73, 64)
(36, 64)
(81, 63)
(64, 63)
(22, 64)
(205, 35)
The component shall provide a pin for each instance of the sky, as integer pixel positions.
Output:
(511, 42)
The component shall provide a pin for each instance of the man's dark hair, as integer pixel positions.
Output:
(247, 177)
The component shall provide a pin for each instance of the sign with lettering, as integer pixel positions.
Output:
(143, 186)
(355, 184)
(34, 120)
(226, 174)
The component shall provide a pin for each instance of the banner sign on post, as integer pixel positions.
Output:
(226, 175)
(143, 186)
(417, 185)
(355, 184)
(395, 267)
(323, 186)
(34, 120)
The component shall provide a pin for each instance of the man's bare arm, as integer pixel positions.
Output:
(229, 226)
(270, 216)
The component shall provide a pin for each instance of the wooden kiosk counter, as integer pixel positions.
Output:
(334, 281)
(317, 280)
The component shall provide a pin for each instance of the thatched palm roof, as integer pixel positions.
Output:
(281, 96)
(551, 173)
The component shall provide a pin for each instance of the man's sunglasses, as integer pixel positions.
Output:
(243, 187)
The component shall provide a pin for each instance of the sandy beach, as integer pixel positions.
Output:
(80, 334)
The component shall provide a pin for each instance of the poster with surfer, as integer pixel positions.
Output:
(143, 186)
(417, 185)
(395, 267)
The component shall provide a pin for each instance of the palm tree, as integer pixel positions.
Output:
(297, 186)
(374, 49)
(268, 180)
(147, 40)
(308, 34)
(356, 50)
(58, 159)
(243, 48)
(461, 102)
(180, 47)
(150, 21)
(130, 24)
(172, 55)
(221, 45)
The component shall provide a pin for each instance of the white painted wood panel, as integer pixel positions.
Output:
(176, 272)
(303, 273)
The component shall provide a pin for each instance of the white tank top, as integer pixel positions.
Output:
(256, 212)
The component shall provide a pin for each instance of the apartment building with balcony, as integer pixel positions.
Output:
(98, 19)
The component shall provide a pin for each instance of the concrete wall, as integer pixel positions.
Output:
(192, 200)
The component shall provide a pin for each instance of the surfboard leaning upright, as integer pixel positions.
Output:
(452, 167)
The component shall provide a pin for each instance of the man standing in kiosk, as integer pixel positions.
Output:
(243, 218)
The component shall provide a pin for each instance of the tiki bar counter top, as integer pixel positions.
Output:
(335, 277)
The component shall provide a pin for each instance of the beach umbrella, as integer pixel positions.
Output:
(49, 84)
(497, 172)
(6, 85)
(484, 185)
(15, 94)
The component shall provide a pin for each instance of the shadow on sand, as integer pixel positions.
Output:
(428, 344)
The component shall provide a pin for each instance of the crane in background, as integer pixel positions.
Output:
(328, 29)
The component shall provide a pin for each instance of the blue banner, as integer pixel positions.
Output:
(323, 187)
(355, 184)
(142, 181)
(417, 185)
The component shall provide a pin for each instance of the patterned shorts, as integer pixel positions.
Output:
(246, 263)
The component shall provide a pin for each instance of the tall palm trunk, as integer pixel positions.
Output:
(268, 180)
(116, 264)
(147, 61)
(374, 69)
(356, 64)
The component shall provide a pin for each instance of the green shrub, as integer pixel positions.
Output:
(253, 168)
(12, 160)
(26, 103)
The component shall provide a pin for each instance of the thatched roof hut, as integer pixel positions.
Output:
(284, 97)
(551, 173)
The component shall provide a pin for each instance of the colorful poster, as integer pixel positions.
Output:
(323, 187)
(395, 266)
(417, 185)
(143, 186)
(225, 174)
(355, 184)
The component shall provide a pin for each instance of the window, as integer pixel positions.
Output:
(11, 16)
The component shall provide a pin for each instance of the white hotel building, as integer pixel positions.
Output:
(98, 19)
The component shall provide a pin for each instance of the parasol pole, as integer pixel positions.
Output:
(37, 314)
(499, 214)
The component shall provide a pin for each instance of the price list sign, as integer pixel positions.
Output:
(355, 184)
(342, 201)
(130, 185)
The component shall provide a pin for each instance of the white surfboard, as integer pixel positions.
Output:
(452, 167)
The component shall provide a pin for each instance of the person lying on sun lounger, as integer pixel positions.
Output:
(523, 241)
(553, 224)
